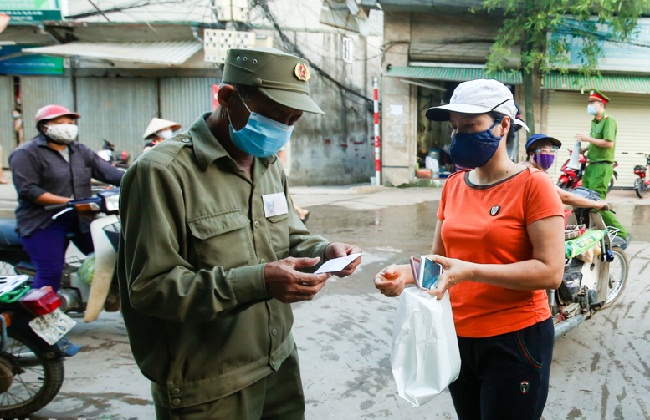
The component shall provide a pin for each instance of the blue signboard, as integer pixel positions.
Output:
(13, 61)
(616, 56)
(30, 11)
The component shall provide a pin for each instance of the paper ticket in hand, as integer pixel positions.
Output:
(337, 264)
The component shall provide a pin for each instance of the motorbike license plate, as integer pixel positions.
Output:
(53, 326)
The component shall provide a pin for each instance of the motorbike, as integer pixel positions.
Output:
(641, 185)
(595, 273)
(571, 172)
(571, 175)
(32, 346)
(88, 284)
(121, 160)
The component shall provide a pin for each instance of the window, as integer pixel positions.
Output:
(347, 49)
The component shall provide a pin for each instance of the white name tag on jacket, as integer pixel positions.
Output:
(275, 204)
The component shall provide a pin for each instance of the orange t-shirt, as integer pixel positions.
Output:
(487, 225)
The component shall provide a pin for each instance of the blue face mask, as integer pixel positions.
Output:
(591, 109)
(473, 150)
(261, 136)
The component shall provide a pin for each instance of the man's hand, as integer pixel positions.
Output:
(338, 249)
(288, 285)
(583, 137)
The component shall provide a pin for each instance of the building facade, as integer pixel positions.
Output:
(120, 66)
(430, 48)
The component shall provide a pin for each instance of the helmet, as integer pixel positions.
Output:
(537, 137)
(50, 112)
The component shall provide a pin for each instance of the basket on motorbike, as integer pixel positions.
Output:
(573, 231)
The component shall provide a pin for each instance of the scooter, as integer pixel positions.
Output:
(121, 160)
(641, 185)
(84, 288)
(571, 176)
(595, 273)
(32, 346)
(573, 169)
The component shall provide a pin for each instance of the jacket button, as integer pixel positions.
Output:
(175, 391)
(176, 401)
(274, 331)
(256, 223)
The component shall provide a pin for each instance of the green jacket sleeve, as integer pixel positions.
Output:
(161, 282)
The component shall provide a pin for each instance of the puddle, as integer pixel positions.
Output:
(412, 227)
(391, 235)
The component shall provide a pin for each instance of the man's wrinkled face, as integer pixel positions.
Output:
(263, 105)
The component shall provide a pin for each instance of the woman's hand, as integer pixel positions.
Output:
(391, 280)
(603, 205)
(453, 272)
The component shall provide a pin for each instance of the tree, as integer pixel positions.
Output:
(527, 24)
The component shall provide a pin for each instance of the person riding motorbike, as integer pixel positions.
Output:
(53, 169)
(158, 131)
(540, 153)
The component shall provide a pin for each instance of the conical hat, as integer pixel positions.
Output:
(158, 124)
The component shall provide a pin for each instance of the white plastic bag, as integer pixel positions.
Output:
(425, 356)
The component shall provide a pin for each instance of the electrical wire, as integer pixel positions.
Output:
(263, 5)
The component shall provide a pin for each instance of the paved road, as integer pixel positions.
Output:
(600, 369)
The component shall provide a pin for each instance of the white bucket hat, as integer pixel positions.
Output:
(158, 124)
(478, 96)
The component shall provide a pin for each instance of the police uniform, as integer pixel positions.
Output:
(600, 160)
(599, 170)
(196, 234)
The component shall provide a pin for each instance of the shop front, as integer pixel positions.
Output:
(432, 85)
(565, 105)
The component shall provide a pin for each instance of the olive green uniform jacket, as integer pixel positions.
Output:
(194, 242)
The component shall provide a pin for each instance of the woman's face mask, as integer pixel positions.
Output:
(473, 150)
(545, 157)
(261, 136)
(62, 133)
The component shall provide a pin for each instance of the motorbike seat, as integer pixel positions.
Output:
(8, 234)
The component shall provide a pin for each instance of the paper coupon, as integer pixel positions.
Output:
(337, 264)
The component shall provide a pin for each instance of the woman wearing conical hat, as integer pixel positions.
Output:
(158, 131)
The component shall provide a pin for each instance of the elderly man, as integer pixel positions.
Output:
(212, 252)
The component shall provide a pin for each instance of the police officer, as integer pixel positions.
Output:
(600, 156)
(212, 252)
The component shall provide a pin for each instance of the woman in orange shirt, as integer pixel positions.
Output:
(500, 240)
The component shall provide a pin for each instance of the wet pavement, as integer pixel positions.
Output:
(600, 370)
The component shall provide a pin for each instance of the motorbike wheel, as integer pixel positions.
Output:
(639, 187)
(618, 270)
(36, 377)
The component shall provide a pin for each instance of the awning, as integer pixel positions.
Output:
(454, 74)
(168, 53)
(604, 82)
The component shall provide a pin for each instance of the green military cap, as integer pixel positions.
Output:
(282, 77)
(598, 95)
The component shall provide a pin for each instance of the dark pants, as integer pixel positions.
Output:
(46, 248)
(279, 396)
(504, 377)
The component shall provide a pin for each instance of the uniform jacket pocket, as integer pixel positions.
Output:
(279, 234)
(221, 239)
